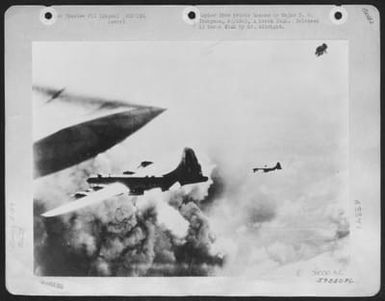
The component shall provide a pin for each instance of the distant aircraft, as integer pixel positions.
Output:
(320, 50)
(112, 122)
(268, 169)
(188, 171)
(56, 94)
(84, 100)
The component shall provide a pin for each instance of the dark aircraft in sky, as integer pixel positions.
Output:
(60, 95)
(188, 171)
(78, 142)
(268, 169)
(320, 50)
(56, 94)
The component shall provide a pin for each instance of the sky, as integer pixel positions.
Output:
(239, 105)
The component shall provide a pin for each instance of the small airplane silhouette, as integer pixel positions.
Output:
(320, 50)
(55, 94)
(268, 169)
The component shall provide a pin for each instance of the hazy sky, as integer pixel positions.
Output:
(272, 100)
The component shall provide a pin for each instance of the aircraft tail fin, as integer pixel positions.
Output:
(278, 166)
(188, 171)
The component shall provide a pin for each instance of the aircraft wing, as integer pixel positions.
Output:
(69, 129)
(93, 198)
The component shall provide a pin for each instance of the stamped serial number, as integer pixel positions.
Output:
(53, 284)
(334, 280)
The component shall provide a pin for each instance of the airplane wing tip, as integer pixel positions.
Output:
(91, 199)
(48, 213)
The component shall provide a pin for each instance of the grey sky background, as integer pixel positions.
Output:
(239, 105)
(274, 96)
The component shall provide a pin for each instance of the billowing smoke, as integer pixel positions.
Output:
(262, 230)
(159, 233)
(222, 226)
(232, 224)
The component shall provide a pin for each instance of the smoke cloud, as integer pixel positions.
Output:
(155, 234)
(221, 227)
